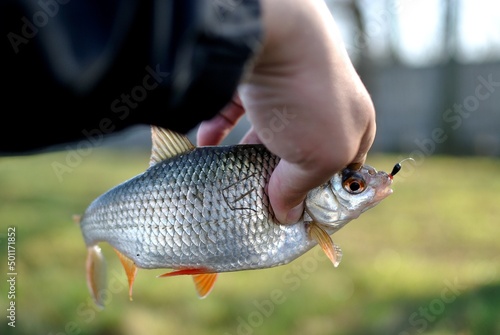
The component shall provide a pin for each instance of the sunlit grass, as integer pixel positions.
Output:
(437, 233)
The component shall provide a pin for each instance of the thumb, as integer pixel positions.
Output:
(291, 182)
(287, 189)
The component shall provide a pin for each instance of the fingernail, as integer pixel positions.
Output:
(295, 214)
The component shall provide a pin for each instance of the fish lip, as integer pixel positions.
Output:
(386, 191)
(383, 194)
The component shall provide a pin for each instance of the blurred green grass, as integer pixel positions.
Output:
(426, 260)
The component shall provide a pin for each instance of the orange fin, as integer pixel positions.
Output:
(130, 269)
(332, 251)
(96, 274)
(183, 272)
(204, 281)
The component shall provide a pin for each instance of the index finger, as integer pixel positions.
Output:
(213, 131)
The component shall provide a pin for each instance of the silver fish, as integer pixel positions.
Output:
(204, 210)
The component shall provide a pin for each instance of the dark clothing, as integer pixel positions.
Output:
(73, 69)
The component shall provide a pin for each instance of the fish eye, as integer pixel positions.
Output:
(353, 183)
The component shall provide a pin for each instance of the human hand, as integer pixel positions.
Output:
(327, 117)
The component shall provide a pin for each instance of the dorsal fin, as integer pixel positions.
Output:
(167, 143)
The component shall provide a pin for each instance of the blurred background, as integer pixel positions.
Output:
(425, 261)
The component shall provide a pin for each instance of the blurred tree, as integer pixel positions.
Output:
(449, 74)
(364, 61)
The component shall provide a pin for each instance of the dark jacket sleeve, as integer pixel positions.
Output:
(79, 70)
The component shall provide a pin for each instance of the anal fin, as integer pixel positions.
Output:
(130, 269)
(332, 251)
(204, 281)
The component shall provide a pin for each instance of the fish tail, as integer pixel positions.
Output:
(96, 274)
(77, 218)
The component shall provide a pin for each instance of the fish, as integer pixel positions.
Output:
(201, 211)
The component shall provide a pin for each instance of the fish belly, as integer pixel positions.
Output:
(204, 209)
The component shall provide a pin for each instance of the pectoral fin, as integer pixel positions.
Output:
(96, 274)
(130, 269)
(332, 251)
(204, 281)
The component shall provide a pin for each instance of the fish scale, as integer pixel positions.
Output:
(202, 211)
(226, 222)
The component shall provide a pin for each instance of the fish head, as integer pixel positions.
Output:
(346, 195)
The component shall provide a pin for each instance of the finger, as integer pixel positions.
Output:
(287, 190)
(365, 145)
(213, 131)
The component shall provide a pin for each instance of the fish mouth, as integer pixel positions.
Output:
(385, 191)
(383, 194)
(378, 197)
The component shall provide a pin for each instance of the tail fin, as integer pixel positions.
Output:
(96, 274)
(77, 218)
